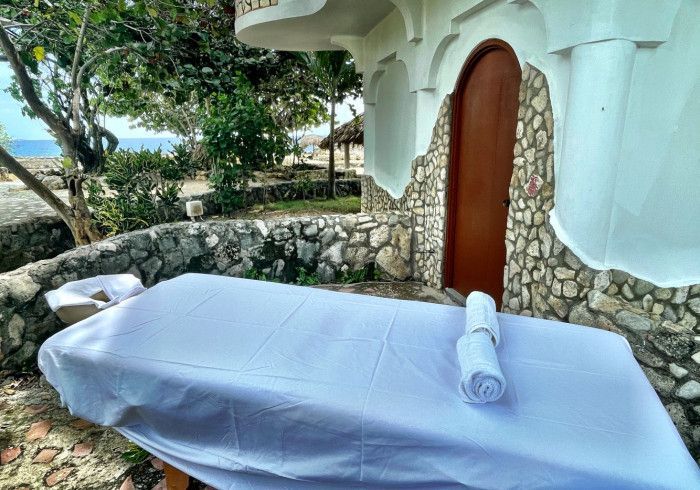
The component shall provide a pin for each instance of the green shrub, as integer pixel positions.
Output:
(239, 137)
(304, 278)
(141, 190)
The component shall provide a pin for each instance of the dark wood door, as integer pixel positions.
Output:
(484, 121)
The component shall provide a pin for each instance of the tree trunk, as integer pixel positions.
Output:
(83, 227)
(331, 156)
(76, 216)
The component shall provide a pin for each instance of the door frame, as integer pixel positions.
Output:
(453, 170)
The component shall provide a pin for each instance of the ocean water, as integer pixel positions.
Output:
(49, 148)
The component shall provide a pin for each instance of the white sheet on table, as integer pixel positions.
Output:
(247, 384)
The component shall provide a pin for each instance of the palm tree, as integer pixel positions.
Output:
(335, 72)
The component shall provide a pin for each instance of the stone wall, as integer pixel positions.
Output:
(245, 6)
(42, 238)
(32, 240)
(545, 279)
(328, 246)
(282, 191)
(425, 200)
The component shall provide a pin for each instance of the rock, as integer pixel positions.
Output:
(379, 236)
(211, 241)
(677, 371)
(15, 331)
(696, 357)
(306, 251)
(572, 261)
(643, 287)
(694, 305)
(580, 315)
(335, 254)
(311, 230)
(277, 269)
(602, 280)
(674, 345)
(662, 384)
(677, 414)
(633, 321)
(22, 288)
(562, 273)
(570, 289)
(689, 390)
(599, 301)
(619, 277)
(680, 296)
(647, 358)
(54, 182)
(392, 263)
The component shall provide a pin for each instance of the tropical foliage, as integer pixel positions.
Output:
(140, 189)
(334, 72)
(240, 136)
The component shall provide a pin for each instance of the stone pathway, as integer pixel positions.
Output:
(43, 446)
(17, 203)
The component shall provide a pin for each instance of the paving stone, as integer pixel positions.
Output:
(8, 455)
(58, 476)
(161, 485)
(37, 409)
(127, 484)
(83, 449)
(38, 430)
(81, 424)
(45, 456)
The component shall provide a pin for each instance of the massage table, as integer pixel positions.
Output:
(249, 384)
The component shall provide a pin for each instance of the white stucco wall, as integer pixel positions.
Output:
(624, 79)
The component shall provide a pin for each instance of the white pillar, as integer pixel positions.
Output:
(592, 134)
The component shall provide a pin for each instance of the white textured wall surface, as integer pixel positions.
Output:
(627, 150)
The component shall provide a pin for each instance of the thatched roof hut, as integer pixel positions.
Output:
(310, 140)
(350, 133)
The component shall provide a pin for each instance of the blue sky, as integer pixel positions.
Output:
(21, 127)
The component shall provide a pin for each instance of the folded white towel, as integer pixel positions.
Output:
(481, 315)
(116, 287)
(482, 379)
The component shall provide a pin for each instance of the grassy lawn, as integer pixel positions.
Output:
(341, 205)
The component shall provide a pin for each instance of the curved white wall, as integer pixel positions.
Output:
(394, 123)
(627, 155)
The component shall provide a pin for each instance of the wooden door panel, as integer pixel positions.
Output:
(485, 116)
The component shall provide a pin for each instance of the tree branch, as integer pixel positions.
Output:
(57, 125)
(74, 73)
(34, 184)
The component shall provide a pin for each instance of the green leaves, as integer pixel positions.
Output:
(142, 190)
(240, 136)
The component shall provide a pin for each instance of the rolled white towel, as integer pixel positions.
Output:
(481, 315)
(482, 379)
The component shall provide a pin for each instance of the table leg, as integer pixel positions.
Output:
(175, 479)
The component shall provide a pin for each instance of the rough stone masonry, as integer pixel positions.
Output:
(327, 246)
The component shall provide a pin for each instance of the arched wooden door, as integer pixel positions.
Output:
(484, 119)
